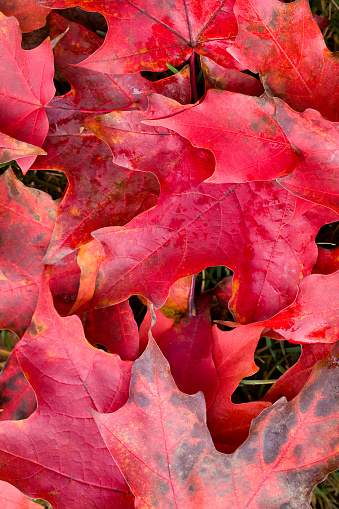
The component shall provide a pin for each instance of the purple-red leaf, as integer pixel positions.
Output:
(290, 447)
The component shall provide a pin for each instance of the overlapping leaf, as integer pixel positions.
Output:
(26, 223)
(57, 453)
(313, 316)
(283, 43)
(17, 398)
(171, 31)
(14, 149)
(246, 141)
(11, 498)
(233, 354)
(30, 15)
(316, 141)
(213, 225)
(26, 86)
(288, 451)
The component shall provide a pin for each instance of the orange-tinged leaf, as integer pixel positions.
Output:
(30, 15)
(14, 149)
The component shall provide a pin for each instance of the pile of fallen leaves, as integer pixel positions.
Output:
(230, 159)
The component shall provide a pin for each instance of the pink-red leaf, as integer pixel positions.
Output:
(57, 453)
(26, 86)
(11, 498)
(188, 348)
(115, 328)
(26, 222)
(316, 141)
(246, 227)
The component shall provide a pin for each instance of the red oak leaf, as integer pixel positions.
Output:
(17, 398)
(26, 86)
(313, 316)
(11, 498)
(188, 348)
(57, 453)
(100, 193)
(115, 328)
(293, 380)
(284, 44)
(316, 141)
(176, 163)
(214, 225)
(14, 149)
(26, 224)
(216, 76)
(92, 90)
(30, 15)
(171, 32)
(247, 142)
(289, 450)
(233, 355)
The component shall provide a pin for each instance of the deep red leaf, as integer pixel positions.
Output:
(284, 44)
(289, 450)
(17, 398)
(100, 193)
(115, 328)
(232, 80)
(93, 90)
(176, 163)
(313, 316)
(170, 32)
(233, 354)
(26, 86)
(57, 453)
(188, 348)
(246, 141)
(327, 262)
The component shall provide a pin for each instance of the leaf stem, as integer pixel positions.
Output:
(193, 78)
